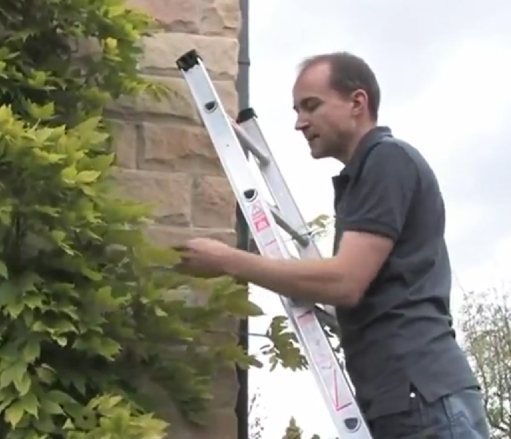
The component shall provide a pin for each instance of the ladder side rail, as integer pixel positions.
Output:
(230, 152)
(322, 361)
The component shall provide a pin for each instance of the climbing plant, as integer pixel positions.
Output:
(91, 312)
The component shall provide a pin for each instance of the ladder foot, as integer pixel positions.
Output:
(188, 60)
(245, 114)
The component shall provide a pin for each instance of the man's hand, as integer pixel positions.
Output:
(204, 257)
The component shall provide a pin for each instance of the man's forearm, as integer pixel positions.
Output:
(318, 281)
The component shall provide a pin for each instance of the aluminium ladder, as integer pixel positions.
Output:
(230, 140)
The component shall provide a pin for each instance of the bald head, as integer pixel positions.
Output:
(347, 73)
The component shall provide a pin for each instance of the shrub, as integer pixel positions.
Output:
(90, 310)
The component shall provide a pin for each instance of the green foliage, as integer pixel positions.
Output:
(485, 321)
(283, 348)
(41, 41)
(320, 226)
(90, 312)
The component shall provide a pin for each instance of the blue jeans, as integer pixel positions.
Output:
(457, 416)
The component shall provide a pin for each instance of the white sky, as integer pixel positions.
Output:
(443, 69)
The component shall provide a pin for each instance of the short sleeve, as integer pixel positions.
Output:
(381, 196)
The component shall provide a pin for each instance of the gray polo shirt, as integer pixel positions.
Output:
(399, 337)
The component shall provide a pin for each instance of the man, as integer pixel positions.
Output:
(390, 276)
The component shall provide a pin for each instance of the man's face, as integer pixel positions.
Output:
(326, 119)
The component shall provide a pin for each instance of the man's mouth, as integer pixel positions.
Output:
(312, 138)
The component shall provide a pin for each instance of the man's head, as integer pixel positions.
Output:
(336, 97)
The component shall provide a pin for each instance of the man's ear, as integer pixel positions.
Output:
(360, 101)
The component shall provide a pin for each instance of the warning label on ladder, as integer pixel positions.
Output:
(324, 360)
(259, 218)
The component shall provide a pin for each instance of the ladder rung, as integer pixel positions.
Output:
(300, 238)
(249, 145)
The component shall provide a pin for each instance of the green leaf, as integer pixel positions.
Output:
(14, 414)
(33, 301)
(60, 397)
(30, 404)
(8, 293)
(3, 270)
(5, 114)
(15, 309)
(107, 347)
(102, 163)
(69, 174)
(32, 350)
(23, 384)
(14, 373)
(87, 176)
(88, 126)
(58, 236)
(44, 423)
(46, 374)
(68, 425)
(41, 112)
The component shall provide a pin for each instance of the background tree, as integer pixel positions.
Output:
(486, 326)
(257, 417)
(293, 431)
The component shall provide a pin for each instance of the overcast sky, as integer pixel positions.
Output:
(444, 69)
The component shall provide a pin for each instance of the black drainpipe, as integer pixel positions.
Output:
(242, 232)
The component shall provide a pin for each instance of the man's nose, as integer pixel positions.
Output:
(301, 123)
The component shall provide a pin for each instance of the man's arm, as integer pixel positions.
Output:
(373, 219)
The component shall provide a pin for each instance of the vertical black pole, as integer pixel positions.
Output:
(243, 235)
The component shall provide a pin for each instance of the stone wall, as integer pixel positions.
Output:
(166, 155)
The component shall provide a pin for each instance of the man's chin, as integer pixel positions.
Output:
(318, 153)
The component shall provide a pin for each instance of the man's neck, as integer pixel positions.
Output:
(355, 141)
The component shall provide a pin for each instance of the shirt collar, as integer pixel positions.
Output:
(370, 139)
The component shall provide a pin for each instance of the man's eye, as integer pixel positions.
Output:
(310, 106)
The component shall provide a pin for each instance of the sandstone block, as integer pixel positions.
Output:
(178, 102)
(169, 193)
(226, 388)
(221, 17)
(220, 423)
(229, 96)
(177, 147)
(209, 17)
(174, 15)
(220, 54)
(125, 140)
(213, 203)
